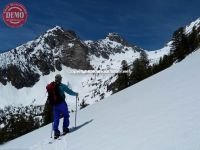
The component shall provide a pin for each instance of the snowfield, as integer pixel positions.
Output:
(159, 113)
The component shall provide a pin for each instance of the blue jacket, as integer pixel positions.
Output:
(64, 88)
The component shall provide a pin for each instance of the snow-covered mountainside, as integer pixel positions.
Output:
(159, 113)
(108, 53)
(26, 70)
(24, 65)
(194, 24)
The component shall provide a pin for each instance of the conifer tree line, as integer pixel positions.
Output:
(183, 44)
(19, 120)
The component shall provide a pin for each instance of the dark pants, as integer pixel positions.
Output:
(59, 110)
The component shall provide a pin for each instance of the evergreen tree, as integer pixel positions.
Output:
(123, 76)
(140, 69)
(193, 42)
(18, 121)
(122, 80)
(179, 45)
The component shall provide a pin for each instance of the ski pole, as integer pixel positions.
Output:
(51, 129)
(76, 111)
(52, 122)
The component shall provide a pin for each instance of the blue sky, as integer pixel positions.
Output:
(147, 24)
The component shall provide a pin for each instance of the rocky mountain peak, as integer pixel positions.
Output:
(58, 30)
(116, 37)
(56, 36)
(23, 65)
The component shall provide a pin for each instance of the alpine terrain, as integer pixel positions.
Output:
(145, 107)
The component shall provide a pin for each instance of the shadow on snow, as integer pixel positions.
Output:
(80, 126)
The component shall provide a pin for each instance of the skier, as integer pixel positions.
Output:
(57, 99)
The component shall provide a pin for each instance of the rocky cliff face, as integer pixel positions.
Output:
(69, 50)
(23, 65)
(112, 44)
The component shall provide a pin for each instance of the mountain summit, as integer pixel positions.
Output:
(117, 38)
(23, 65)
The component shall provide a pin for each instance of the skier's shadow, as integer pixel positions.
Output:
(80, 126)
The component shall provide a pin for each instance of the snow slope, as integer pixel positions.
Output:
(193, 24)
(159, 113)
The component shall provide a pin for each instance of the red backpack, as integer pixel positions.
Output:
(54, 96)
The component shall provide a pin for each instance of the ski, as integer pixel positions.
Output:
(53, 140)
(59, 138)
